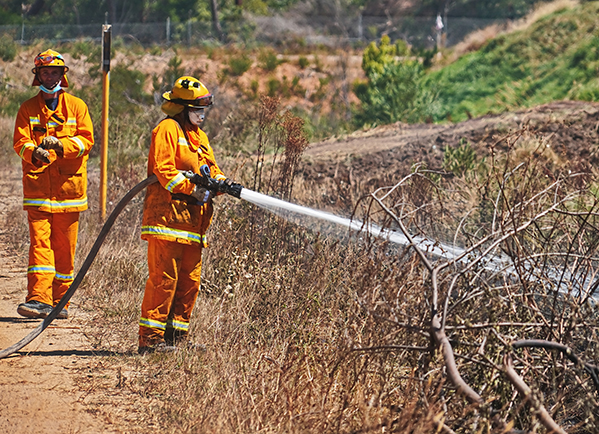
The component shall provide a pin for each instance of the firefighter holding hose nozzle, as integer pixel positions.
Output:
(177, 213)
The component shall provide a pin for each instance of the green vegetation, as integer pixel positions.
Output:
(461, 160)
(239, 64)
(8, 48)
(267, 60)
(555, 58)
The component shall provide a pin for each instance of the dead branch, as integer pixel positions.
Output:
(548, 345)
(523, 389)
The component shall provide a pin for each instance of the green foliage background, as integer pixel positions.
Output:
(555, 58)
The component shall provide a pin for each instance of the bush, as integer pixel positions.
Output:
(460, 160)
(85, 48)
(274, 86)
(238, 65)
(8, 48)
(268, 60)
(303, 62)
(390, 94)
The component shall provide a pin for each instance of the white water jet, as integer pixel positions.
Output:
(497, 263)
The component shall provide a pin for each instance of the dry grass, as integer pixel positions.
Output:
(314, 333)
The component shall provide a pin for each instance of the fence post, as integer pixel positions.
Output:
(168, 30)
(360, 27)
(106, 42)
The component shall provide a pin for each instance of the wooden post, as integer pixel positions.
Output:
(106, 40)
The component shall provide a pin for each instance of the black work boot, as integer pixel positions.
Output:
(174, 337)
(180, 339)
(34, 309)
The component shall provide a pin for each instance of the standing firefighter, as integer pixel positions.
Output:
(176, 215)
(53, 136)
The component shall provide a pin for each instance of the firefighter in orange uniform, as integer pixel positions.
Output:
(176, 215)
(53, 136)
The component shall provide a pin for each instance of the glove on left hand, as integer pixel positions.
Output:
(201, 195)
(52, 142)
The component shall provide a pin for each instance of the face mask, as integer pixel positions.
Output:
(196, 117)
(50, 91)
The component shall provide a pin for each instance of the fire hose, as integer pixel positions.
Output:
(202, 180)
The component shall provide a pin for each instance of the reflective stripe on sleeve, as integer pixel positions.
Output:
(175, 181)
(183, 142)
(25, 146)
(80, 144)
(144, 322)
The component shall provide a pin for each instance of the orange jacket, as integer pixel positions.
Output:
(61, 185)
(172, 218)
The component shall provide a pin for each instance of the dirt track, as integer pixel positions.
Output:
(38, 385)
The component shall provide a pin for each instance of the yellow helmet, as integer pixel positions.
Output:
(189, 92)
(46, 59)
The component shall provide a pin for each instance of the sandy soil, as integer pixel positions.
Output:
(39, 390)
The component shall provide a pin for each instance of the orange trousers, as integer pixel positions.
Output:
(171, 291)
(53, 240)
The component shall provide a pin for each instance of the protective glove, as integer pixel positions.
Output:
(202, 195)
(41, 154)
(187, 173)
(52, 142)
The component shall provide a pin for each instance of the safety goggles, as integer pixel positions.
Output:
(46, 60)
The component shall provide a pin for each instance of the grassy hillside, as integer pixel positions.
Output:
(555, 58)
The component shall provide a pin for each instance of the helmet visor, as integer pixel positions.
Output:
(203, 101)
(46, 60)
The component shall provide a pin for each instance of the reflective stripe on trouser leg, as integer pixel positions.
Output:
(188, 286)
(165, 300)
(40, 272)
(63, 239)
(159, 293)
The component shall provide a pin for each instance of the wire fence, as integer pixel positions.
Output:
(340, 31)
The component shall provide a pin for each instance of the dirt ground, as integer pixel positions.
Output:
(377, 157)
(59, 384)
(38, 385)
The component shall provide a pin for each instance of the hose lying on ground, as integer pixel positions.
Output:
(83, 270)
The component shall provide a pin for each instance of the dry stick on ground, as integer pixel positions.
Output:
(527, 394)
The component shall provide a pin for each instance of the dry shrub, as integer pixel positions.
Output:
(312, 331)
